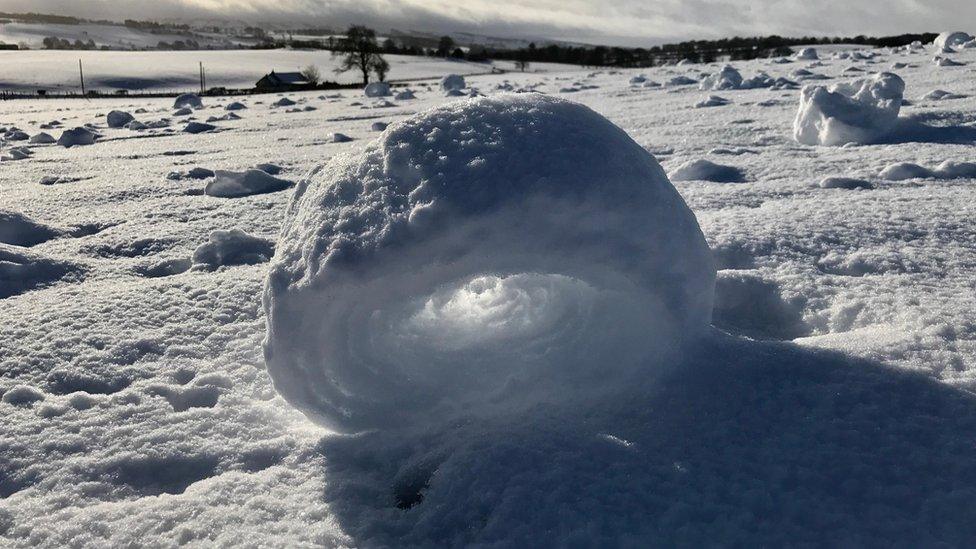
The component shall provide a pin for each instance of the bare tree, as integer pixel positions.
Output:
(359, 50)
(311, 73)
(522, 64)
(380, 67)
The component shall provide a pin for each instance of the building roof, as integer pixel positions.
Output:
(288, 78)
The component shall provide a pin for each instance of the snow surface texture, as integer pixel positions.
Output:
(137, 411)
(475, 260)
(861, 111)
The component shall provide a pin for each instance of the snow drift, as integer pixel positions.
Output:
(861, 111)
(489, 255)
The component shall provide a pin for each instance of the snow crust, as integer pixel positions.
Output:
(407, 289)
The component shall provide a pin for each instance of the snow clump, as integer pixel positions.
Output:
(77, 136)
(861, 111)
(705, 170)
(726, 79)
(227, 184)
(452, 82)
(482, 257)
(233, 247)
(42, 138)
(118, 119)
(807, 54)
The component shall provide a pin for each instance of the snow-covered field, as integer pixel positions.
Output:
(836, 409)
(180, 70)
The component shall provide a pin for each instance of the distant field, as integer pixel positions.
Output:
(179, 70)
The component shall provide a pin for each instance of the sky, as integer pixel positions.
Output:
(614, 22)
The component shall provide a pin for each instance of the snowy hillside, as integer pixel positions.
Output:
(512, 293)
(179, 70)
(112, 36)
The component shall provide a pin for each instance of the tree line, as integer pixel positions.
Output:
(696, 51)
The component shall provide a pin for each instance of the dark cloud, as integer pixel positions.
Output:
(633, 22)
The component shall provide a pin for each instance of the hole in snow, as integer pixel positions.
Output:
(409, 486)
(487, 311)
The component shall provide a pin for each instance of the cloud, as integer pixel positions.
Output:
(630, 22)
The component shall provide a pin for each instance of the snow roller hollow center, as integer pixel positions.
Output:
(485, 256)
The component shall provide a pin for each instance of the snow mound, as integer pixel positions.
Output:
(190, 100)
(861, 111)
(377, 89)
(806, 54)
(726, 79)
(227, 184)
(19, 230)
(233, 247)
(488, 255)
(905, 170)
(76, 136)
(22, 395)
(705, 170)
(952, 39)
(939, 95)
(946, 61)
(42, 138)
(947, 170)
(198, 127)
(118, 119)
(453, 82)
(712, 101)
(849, 183)
(681, 81)
(16, 153)
(21, 270)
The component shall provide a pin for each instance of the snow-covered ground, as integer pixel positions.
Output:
(137, 408)
(180, 70)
